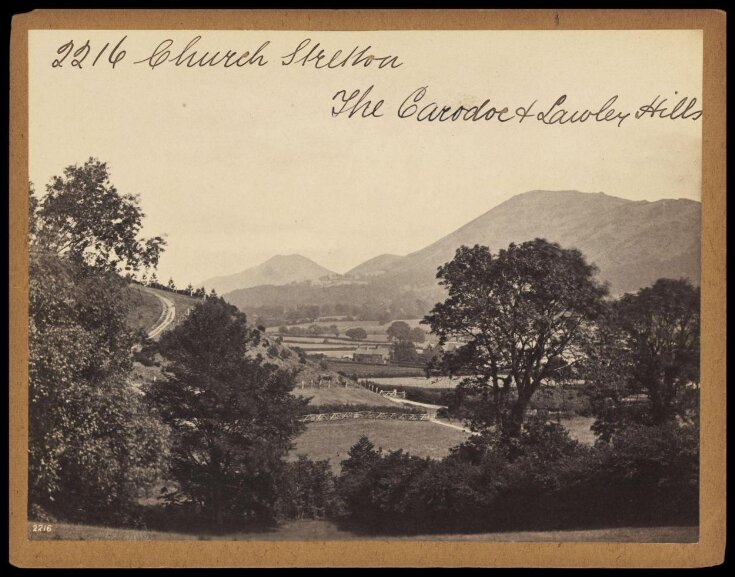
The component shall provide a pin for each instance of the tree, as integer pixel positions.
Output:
(93, 444)
(306, 490)
(334, 330)
(356, 334)
(404, 352)
(647, 344)
(399, 330)
(522, 315)
(417, 335)
(233, 416)
(189, 289)
(171, 285)
(83, 217)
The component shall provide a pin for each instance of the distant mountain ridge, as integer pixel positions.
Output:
(633, 243)
(278, 270)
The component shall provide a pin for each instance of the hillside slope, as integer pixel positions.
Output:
(375, 266)
(278, 270)
(632, 243)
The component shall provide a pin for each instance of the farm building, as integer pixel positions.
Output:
(371, 354)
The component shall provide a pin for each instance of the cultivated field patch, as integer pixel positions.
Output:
(342, 395)
(332, 440)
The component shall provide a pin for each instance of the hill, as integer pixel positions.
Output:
(278, 270)
(633, 243)
(375, 266)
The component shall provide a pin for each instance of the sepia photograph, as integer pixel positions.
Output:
(361, 286)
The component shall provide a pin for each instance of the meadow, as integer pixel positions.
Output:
(332, 440)
(408, 381)
(365, 370)
(342, 396)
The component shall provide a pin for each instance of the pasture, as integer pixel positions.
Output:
(423, 382)
(342, 396)
(368, 371)
(332, 440)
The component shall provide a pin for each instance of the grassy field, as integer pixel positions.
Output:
(332, 440)
(365, 371)
(318, 530)
(182, 302)
(144, 310)
(580, 429)
(310, 347)
(429, 383)
(343, 396)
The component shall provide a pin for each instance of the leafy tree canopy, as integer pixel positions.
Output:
(233, 416)
(647, 344)
(522, 314)
(85, 218)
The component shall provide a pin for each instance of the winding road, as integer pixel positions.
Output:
(168, 314)
(431, 409)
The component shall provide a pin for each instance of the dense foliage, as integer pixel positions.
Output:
(642, 363)
(541, 480)
(93, 445)
(521, 316)
(307, 490)
(233, 417)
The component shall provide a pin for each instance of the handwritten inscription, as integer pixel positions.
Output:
(311, 53)
(165, 53)
(77, 54)
(362, 103)
(307, 54)
(418, 107)
(357, 103)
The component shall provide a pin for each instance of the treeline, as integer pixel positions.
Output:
(152, 282)
(545, 481)
(301, 303)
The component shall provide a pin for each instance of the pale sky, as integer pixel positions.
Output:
(236, 165)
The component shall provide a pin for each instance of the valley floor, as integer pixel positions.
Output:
(319, 530)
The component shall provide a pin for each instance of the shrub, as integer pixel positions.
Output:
(542, 480)
(307, 490)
